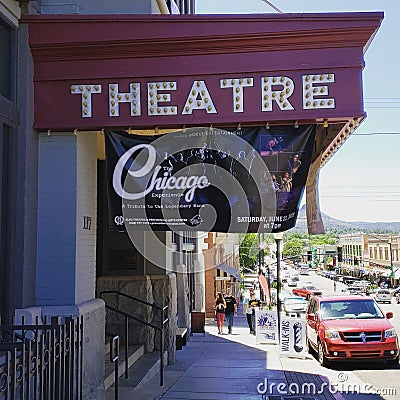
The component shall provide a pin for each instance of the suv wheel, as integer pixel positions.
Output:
(321, 356)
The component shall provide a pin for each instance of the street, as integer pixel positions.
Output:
(368, 378)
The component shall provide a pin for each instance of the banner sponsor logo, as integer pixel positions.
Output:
(266, 326)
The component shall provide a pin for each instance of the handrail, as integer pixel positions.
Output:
(132, 298)
(125, 314)
(128, 316)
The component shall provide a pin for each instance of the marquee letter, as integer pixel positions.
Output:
(133, 97)
(237, 85)
(86, 92)
(280, 96)
(199, 99)
(154, 98)
(315, 96)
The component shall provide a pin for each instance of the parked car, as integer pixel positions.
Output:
(291, 282)
(350, 328)
(382, 296)
(356, 288)
(398, 298)
(294, 305)
(285, 276)
(306, 291)
(295, 276)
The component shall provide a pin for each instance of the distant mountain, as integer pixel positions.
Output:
(332, 224)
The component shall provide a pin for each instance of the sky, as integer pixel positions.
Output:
(361, 182)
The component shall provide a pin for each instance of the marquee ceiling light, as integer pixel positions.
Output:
(267, 126)
(296, 124)
(325, 123)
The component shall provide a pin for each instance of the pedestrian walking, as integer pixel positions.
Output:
(254, 304)
(334, 286)
(219, 307)
(248, 311)
(231, 309)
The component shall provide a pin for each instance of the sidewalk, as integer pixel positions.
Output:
(227, 367)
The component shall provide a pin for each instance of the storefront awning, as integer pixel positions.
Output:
(229, 270)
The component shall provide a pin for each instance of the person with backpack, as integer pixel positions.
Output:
(231, 309)
(219, 307)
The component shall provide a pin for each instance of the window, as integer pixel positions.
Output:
(5, 60)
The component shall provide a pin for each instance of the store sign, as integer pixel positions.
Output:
(293, 337)
(161, 99)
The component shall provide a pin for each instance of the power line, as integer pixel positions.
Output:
(272, 6)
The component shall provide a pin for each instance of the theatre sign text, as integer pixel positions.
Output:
(274, 93)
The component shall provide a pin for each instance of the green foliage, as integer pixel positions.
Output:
(293, 248)
(248, 249)
(296, 242)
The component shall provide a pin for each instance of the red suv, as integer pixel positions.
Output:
(350, 328)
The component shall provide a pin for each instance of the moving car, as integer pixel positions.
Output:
(295, 276)
(350, 328)
(303, 269)
(294, 305)
(382, 296)
(306, 291)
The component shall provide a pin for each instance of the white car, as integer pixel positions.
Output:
(291, 282)
(294, 305)
(382, 296)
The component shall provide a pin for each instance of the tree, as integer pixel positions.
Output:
(248, 250)
(251, 250)
(292, 248)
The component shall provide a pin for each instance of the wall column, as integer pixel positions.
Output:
(66, 247)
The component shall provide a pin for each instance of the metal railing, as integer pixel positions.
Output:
(42, 361)
(160, 328)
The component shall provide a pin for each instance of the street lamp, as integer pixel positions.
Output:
(278, 239)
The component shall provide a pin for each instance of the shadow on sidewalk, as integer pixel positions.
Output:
(234, 367)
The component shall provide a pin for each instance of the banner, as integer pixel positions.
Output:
(293, 337)
(266, 326)
(314, 219)
(211, 180)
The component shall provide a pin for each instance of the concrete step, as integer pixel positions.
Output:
(135, 353)
(141, 372)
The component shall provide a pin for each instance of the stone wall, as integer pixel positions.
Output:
(154, 289)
